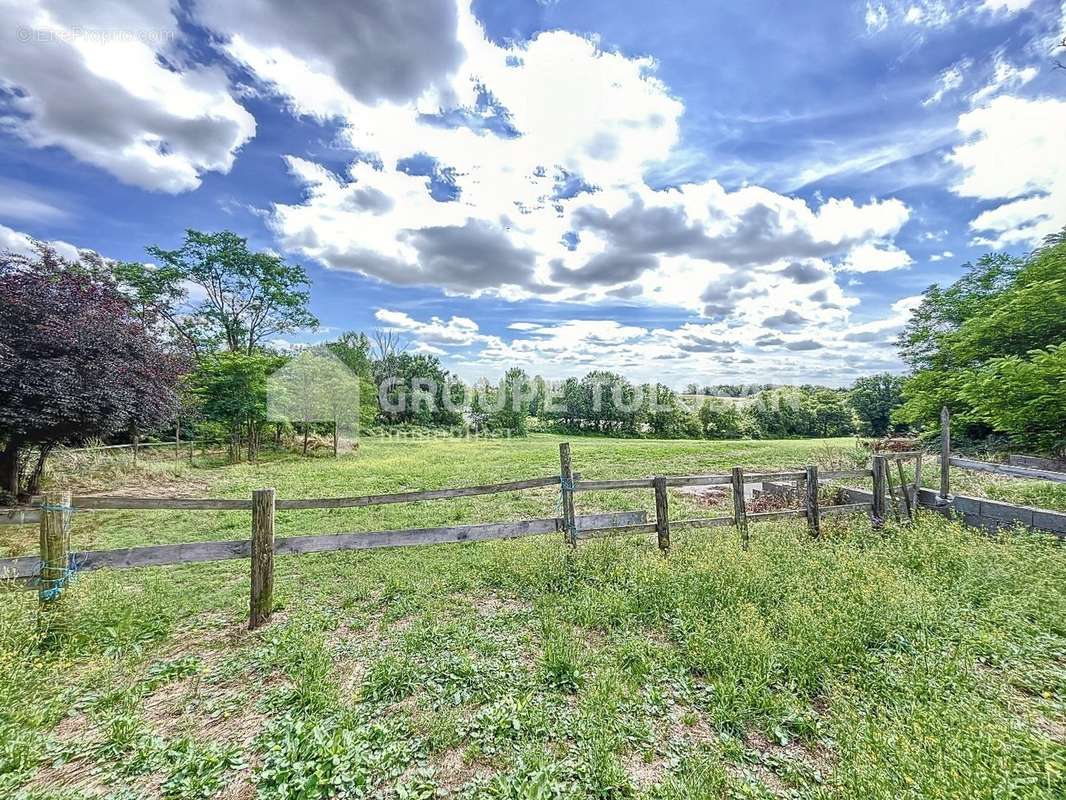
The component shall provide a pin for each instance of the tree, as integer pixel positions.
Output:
(1003, 308)
(513, 403)
(874, 398)
(1025, 397)
(75, 361)
(232, 390)
(247, 297)
(832, 417)
(354, 350)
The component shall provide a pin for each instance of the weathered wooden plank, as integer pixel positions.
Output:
(880, 475)
(622, 483)
(662, 514)
(410, 497)
(162, 503)
(617, 530)
(699, 480)
(262, 552)
(566, 489)
(206, 504)
(767, 516)
(19, 516)
(810, 498)
(945, 453)
(196, 552)
(1006, 469)
(1037, 462)
(740, 510)
(701, 522)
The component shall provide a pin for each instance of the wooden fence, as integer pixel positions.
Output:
(947, 461)
(50, 571)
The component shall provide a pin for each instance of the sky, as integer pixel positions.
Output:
(707, 192)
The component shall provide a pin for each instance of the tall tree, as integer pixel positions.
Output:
(76, 361)
(874, 398)
(214, 291)
(1002, 308)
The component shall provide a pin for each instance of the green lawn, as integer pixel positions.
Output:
(927, 661)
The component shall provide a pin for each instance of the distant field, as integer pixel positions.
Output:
(921, 662)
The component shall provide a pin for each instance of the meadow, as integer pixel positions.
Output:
(921, 661)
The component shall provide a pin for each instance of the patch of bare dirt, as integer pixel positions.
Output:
(643, 772)
(453, 772)
(202, 707)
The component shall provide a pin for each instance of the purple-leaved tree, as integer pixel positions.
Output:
(75, 362)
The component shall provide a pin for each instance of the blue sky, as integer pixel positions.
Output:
(679, 191)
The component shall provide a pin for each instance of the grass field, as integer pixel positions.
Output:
(928, 661)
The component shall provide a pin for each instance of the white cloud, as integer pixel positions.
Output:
(948, 81)
(89, 79)
(1008, 6)
(457, 331)
(1005, 76)
(546, 143)
(22, 243)
(941, 256)
(1013, 153)
(875, 257)
(702, 352)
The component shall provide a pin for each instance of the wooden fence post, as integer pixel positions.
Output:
(262, 557)
(945, 455)
(740, 511)
(566, 487)
(917, 496)
(814, 521)
(662, 514)
(880, 471)
(905, 490)
(55, 545)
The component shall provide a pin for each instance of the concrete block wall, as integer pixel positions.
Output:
(981, 513)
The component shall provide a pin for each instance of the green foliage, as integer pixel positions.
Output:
(1025, 397)
(232, 391)
(345, 756)
(874, 398)
(974, 344)
(248, 296)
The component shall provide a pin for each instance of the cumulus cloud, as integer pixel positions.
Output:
(674, 355)
(1012, 154)
(372, 50)
(103, 84)
(22, 243)
(541, 148)
(875, 257)
(456, 331)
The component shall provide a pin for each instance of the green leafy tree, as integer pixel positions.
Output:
(1003, 308)
(512, 406)
(1024, 397)
(241, 298)
(874, 398)
(232, 392)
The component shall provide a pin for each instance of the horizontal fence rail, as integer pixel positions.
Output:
(199, 552)
(56, 563)
(1007, 469)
